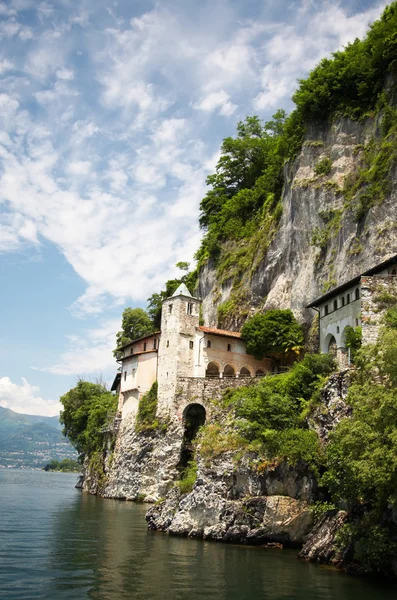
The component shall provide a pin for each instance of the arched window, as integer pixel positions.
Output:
(212, 370)
(343, 301)
(229, 371)
(357, 294)
(208, 343)
(337, 329)
(326, 309)
(348, 299)
(260, 373)
(335, 305)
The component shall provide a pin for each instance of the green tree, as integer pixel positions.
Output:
(352, 81)
(274, 333)
(86, 409)
(353, 340)
(135, 323)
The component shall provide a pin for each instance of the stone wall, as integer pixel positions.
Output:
(202, 390)
(378, 294)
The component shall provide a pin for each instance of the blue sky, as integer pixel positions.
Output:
(112, 115)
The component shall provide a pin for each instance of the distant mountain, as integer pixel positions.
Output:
(31, 440)
(11, 422)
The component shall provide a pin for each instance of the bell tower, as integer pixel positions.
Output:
(179, 320)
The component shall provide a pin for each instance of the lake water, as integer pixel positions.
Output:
(56, 542)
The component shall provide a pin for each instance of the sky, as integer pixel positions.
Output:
(112, 115)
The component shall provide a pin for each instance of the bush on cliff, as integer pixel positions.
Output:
(147, 409)
(86, 409)
(351, 82)
(273, 333)
(361, 457)
(268, 417)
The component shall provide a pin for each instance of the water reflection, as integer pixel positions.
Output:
(104, 547)
(57, 543)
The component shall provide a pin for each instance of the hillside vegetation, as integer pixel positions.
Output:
(241, 211)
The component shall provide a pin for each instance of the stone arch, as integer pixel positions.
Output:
(331, 345)
(213, 369)
(245, 372)
(194, 416)
(260, 373)
(229, 371)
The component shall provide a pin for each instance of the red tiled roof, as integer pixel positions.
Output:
(223, 332)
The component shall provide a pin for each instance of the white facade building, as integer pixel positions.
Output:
(343, 307)
(182, 349)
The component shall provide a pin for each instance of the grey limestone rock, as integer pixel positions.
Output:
(240, 504)
(321, 544)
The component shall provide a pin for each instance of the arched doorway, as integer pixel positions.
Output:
(332, 347)
(194, 417)
(212, 370)
(244, 372)
(229, 371)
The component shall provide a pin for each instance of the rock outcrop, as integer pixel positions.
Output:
(142, 466)
(332, 406)
(239, 503)
(294, 270)
(321, 544)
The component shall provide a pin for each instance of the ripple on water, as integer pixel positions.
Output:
(56, 543)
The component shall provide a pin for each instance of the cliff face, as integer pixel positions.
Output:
(142, 465)
(244, 501)
(324, 237)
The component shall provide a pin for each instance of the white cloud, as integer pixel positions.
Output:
(113, 176)
(65, 73)
(24, 398)
(5, 65)
(216, 100)
(293, 49)
(90, 354)
(79, 167)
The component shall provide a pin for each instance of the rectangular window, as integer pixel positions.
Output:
(229, 347)
(170, 308)
(208, 343)
(133, 372)
(189, 308)
(191, 345)
(168, 343)
(154, 344)
(144, 347)
(125, 375)
(132, 351)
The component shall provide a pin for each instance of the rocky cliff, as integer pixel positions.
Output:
(238, 498)
(325, 235)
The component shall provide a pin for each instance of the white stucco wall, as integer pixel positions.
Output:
(218, 353)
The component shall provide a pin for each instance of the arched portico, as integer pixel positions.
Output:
(245, 372)
(213, 369)
(229, 371)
